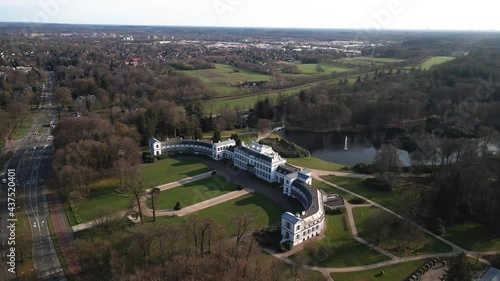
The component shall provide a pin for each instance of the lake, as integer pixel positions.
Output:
(361, 147)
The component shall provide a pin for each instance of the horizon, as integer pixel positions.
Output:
(424, 15)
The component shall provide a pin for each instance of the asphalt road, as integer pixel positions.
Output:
(31, 162)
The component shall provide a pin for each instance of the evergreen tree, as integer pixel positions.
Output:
(217, 137)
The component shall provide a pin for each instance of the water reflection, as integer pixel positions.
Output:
(362, 147)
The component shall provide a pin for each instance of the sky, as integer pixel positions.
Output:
(358, 14)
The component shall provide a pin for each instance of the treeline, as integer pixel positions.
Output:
(88, 149)
(199, 249)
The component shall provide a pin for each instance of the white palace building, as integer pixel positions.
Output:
(266, 164)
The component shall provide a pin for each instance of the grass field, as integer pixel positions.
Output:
(264, 211)
(391, 273)
(193, 193)
(338, 248)
(103, 193)
(430, 62)
(22, 130)
(310, 69)
(387, 199)
(467, 235)
(316, 163)
(218, 79)
(171, 169)
(368, 61)
(430, 245)
(248, 102)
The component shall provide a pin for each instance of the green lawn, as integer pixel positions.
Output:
(338, 248)
(192, 193)
(387, 199)
(103, 193)
(467, 235)
(330, 189)
(248, 102)
(171, 169)
(220, 78)
(226, 134)
(430, 62)
(316, 163)
(264, 211)
(368, 61)
(22, 130)
(430, 245)
(391, 273)
(310, 68)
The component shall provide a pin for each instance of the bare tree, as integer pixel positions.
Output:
(155, 191)
(387, 162)
(136, 187)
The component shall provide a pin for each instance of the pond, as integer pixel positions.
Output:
(361, 147)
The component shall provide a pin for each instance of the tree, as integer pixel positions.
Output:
(458, 269)
(155, 191)
(217, 137)
(136, 187)
(380, 225)
(62, 97)
(264, 125)
(387, 162)
(319, 69)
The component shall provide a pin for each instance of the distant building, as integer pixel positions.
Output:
(265, 163)
(88, 99)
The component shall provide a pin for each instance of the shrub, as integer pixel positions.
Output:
(268, 237)
(337, 211)
(214, 173)
(239, 187)
(147, 157)
(285, 148)
(364, 168)
(178, 206)
(357, 201)
(286, 246)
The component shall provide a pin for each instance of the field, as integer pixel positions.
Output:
(392, 272)
(467, 235)
(171, 169)
(193, 193)
(316, 163)
(338, 248)
(430, 62)
(430, 245)
(367, 61)
(220, 78)
(103, 193)
(387, 199)
(22, 130)
(264, 212)
(246, 102)
(310, 69)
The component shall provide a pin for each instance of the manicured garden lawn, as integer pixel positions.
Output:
(467, 235)
(218, 79)
(193, 193)
(102, 195)
(264, 211)
(171, 169)
(316, 163)
(430, 245)
(338, 248)
(387, 199)
(330, 189)
(430, 62)
(391, 273)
